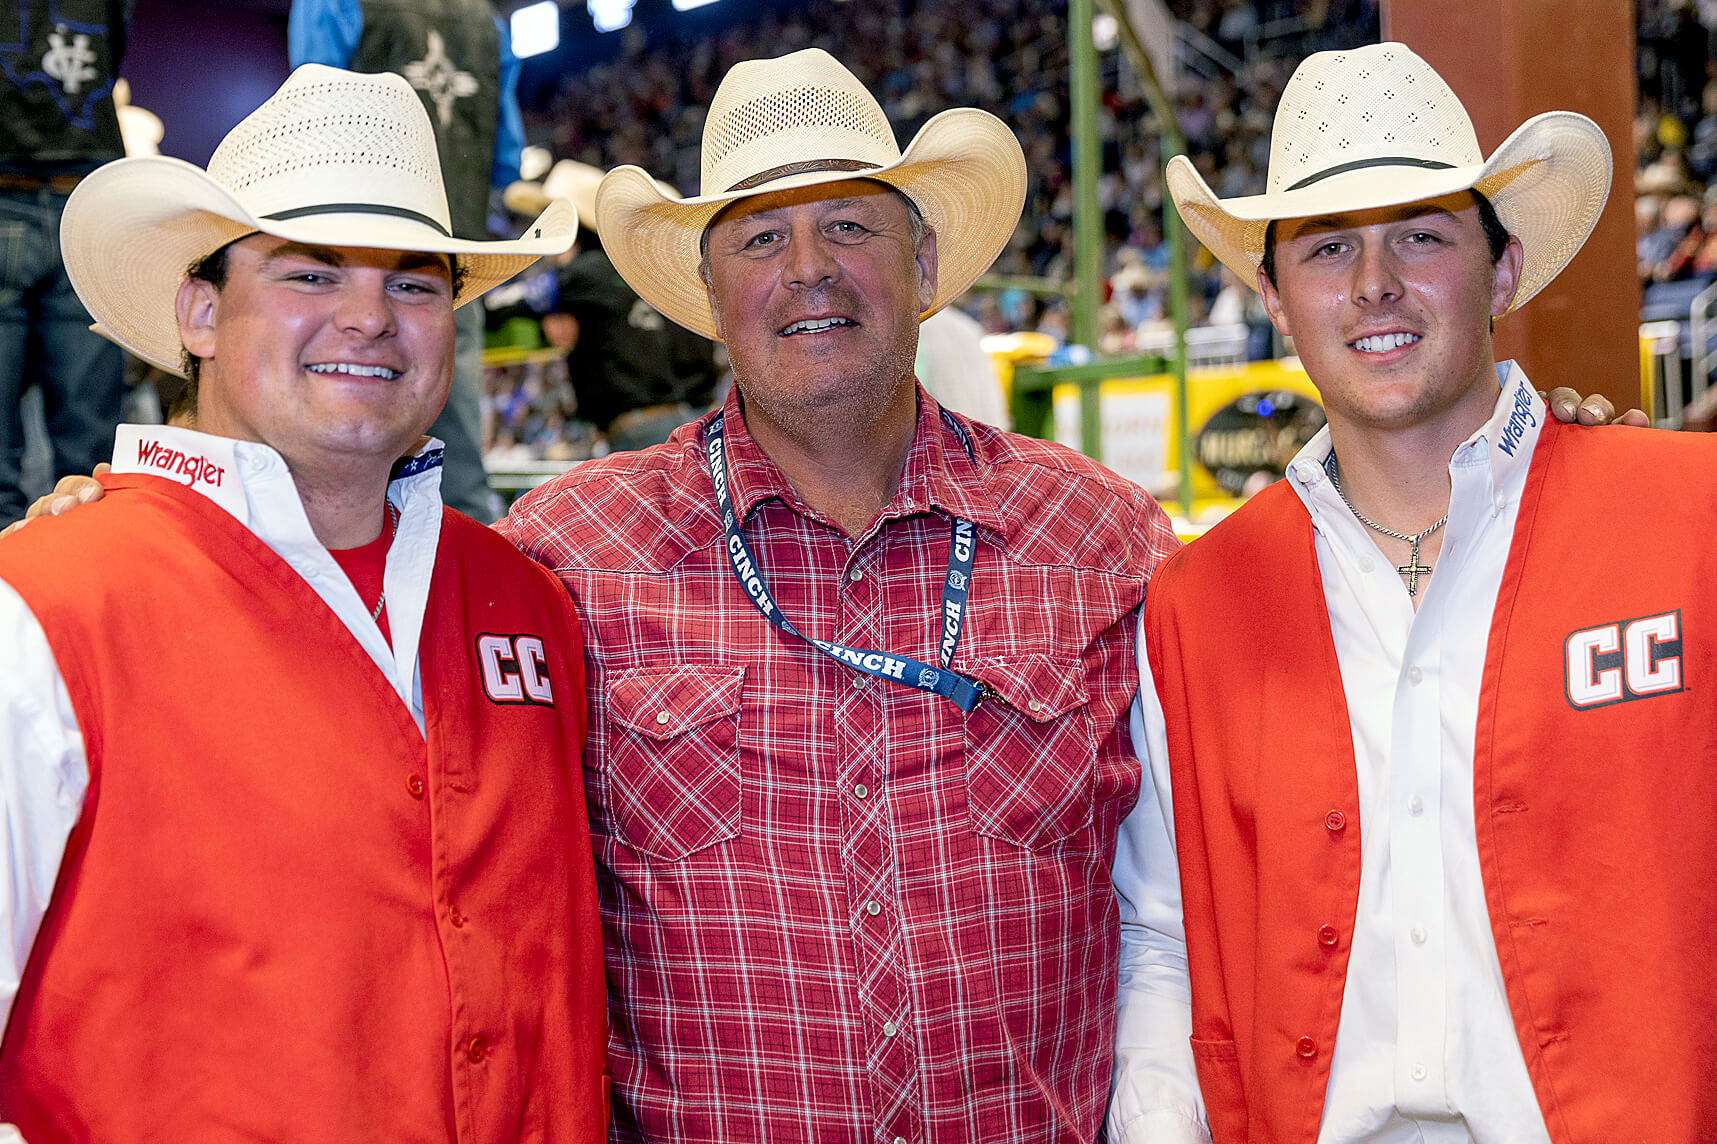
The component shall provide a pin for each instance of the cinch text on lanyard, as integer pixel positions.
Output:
(902, 669)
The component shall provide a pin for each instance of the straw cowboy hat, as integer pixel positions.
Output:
(798, 121)
(1376, 127)
(567, 179)
(333, 158)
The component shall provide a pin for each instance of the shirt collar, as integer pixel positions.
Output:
(221, 468)
(1506, 440)
(939, 474)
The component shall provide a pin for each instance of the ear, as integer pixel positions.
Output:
(1507, 283)
(1273, 304)
(195, 307)
(926, 259)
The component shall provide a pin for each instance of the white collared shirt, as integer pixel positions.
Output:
(1425, 1049)
(43, 769)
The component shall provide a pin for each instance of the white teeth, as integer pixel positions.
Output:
(1379, 343)
(351, 368)
(815, 325)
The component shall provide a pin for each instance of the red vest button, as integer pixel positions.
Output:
(476, 1050)
(414, 784)
(1306, 1047)
(1334, 821)
(454, 916)
(1327, 935)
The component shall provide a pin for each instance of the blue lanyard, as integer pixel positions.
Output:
(902, 669)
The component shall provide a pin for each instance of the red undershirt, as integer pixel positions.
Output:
(364, 568)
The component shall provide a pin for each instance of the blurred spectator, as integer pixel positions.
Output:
(956, 371)
(56, 99)
(459, 59)
(1679, 217)
(637, 376)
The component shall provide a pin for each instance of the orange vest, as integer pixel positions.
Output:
(1594, 789)
(282, 916)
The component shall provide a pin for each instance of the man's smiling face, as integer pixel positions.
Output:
(1390, 310)
(321, 352)
(817, 292)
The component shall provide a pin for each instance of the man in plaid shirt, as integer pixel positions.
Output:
(839, 906)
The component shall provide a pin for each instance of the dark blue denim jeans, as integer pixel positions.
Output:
(45, 341)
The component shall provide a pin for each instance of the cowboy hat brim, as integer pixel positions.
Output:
(133, 227)
(964, 170)
(1548, 182)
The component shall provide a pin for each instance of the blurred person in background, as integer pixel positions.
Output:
(56, 102)
(458, 57)
(637, 376)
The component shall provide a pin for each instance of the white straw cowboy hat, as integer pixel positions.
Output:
(797, 121)
(333, 158)
(567, 179)
(1376, 127)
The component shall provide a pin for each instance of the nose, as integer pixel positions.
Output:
(1376, 275)
(810, 259)
(365, 306)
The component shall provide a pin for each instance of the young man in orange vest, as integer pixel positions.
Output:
(1437, 772)
(295, 840)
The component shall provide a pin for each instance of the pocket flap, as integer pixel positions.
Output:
(1041, 687)
(661, 702)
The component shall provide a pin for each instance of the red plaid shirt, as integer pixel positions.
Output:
(836, 908)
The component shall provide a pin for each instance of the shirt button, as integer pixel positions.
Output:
(414, 785)
(860, 791)
(1418, 935)
(858, 682)
(1335, 821)
(476, 1049)
(1306, 1047)
(1416, 805)
(1414, 675)
(889, 1028)
(457, 918)
(1367, 565)
(661, 718)
(1418, 1072)
(872, 907)
(856, 575)
(1034, 706)
(1327, 935)
(900, 1140)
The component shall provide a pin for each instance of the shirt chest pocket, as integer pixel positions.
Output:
(673, 778)
(1031, 750)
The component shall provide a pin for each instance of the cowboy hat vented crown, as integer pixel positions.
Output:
(1378, 127)
(334, 158)
(802, 120)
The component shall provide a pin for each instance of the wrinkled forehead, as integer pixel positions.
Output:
(842, 191)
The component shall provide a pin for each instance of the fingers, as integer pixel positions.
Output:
(1597, 410)
(68, 494)
(1564, 403)
(1635, 417)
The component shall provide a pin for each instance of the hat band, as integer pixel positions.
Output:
(1384, 161)
(360, 208)
(782, 172)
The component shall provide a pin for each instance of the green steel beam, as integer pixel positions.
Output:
(1087, 217)
(1172, 144)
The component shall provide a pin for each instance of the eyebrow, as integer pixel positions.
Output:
(1336, 222)
(331, 256)
(831, 204)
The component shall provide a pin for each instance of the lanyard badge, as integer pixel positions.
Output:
(904, 670)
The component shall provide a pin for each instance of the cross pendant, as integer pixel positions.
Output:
(1413, 570)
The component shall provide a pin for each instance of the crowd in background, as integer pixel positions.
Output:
(1010, 57)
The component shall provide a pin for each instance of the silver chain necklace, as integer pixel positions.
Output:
(1412, 569)
(393, 529)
